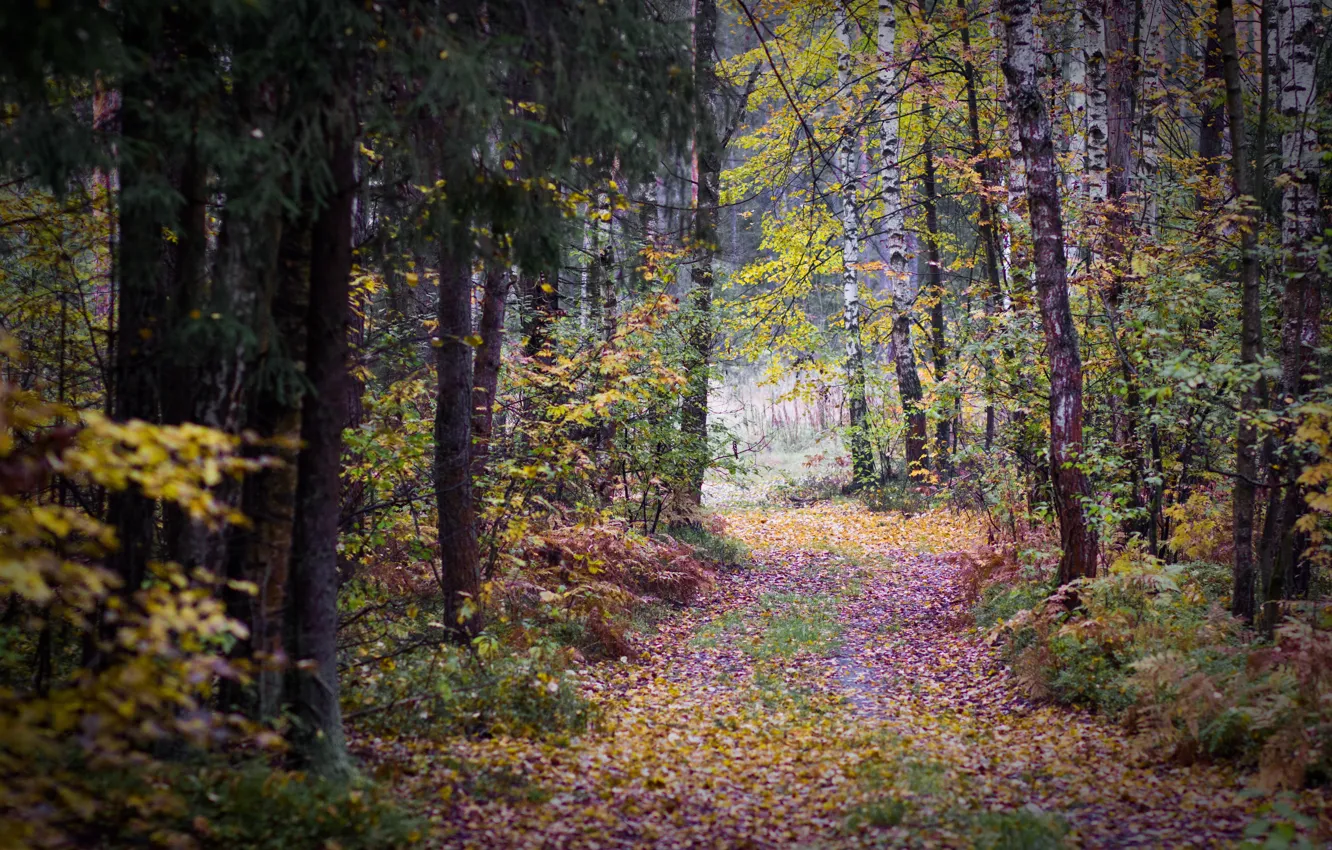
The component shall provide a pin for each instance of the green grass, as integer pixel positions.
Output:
(788, 624)
(795, 624)
(719, 549)
(712, 633)
(1018, 829)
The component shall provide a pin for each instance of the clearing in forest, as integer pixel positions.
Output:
(829, 695)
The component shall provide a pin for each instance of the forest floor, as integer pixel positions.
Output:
(831, 694)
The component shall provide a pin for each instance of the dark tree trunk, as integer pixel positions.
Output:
(313, 604)
(1027, 109)
(485, 382)
(934, 282)
(1213, 118)
(1251, 329)
(263, 552)
(986, 216)
(460, 567)
(707, 172)
(141, 297)
(1121, 77)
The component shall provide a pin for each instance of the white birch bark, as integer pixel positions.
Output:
(850, 204)
(1015, 211)
(1300, 155)
(903, 286)
(1153, 62)
(1098, 99)
(890, 163)
(862, 458)
(1077, 110)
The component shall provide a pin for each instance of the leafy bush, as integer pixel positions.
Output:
(258, 808)
(813, 486)
(713, 544)
(1151, 643)
(1269, 707)
(495, 690)
(908, 497)
(1078, 645)
(1000, 602)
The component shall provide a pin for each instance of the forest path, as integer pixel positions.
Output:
(828, 696)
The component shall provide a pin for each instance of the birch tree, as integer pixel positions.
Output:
(862, 458)
(901, 288)
(1098, 99)
(1280, 555)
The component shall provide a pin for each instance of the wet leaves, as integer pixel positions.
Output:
(824, 697)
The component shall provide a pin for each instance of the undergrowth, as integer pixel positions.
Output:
(1153, 645)
(713, 545)
(252, 806)
(566, 597)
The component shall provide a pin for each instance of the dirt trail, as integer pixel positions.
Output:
(826, 697)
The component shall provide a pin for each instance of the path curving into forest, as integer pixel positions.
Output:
(829, 695)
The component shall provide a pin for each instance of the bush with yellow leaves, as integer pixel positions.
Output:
(82, 744)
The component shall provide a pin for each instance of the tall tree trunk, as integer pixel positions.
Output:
(460, 567)
(862, 453)
(986, 215)
(1251, 328)
(891, 81)
(1301, 321)
(1251, 320)
(486, 371)
(1075, 175)
(1121, 76)
(1213, 118)
(263, 552)
(1151, 66)
(313, 601)
(141, 300)
(934, 281)
(1096, 61)
(1027, 111)
(707, 195)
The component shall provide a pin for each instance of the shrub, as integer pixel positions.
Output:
(255, 807)
(907, 497)
(713, 544)
(1000, 602)
(1078, 645)
(496, 690)
(1269, 707)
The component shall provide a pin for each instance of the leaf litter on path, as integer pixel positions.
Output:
(824, 697)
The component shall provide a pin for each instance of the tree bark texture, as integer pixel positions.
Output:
(313, 608)
(1281, 547)
(986, 217)
(1251, 330)
(862, 454)
(934, 282)
(1028, 112)
(902, 292)
(485, 381)
(707, 196)
(460, 567)
(1096, 62)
